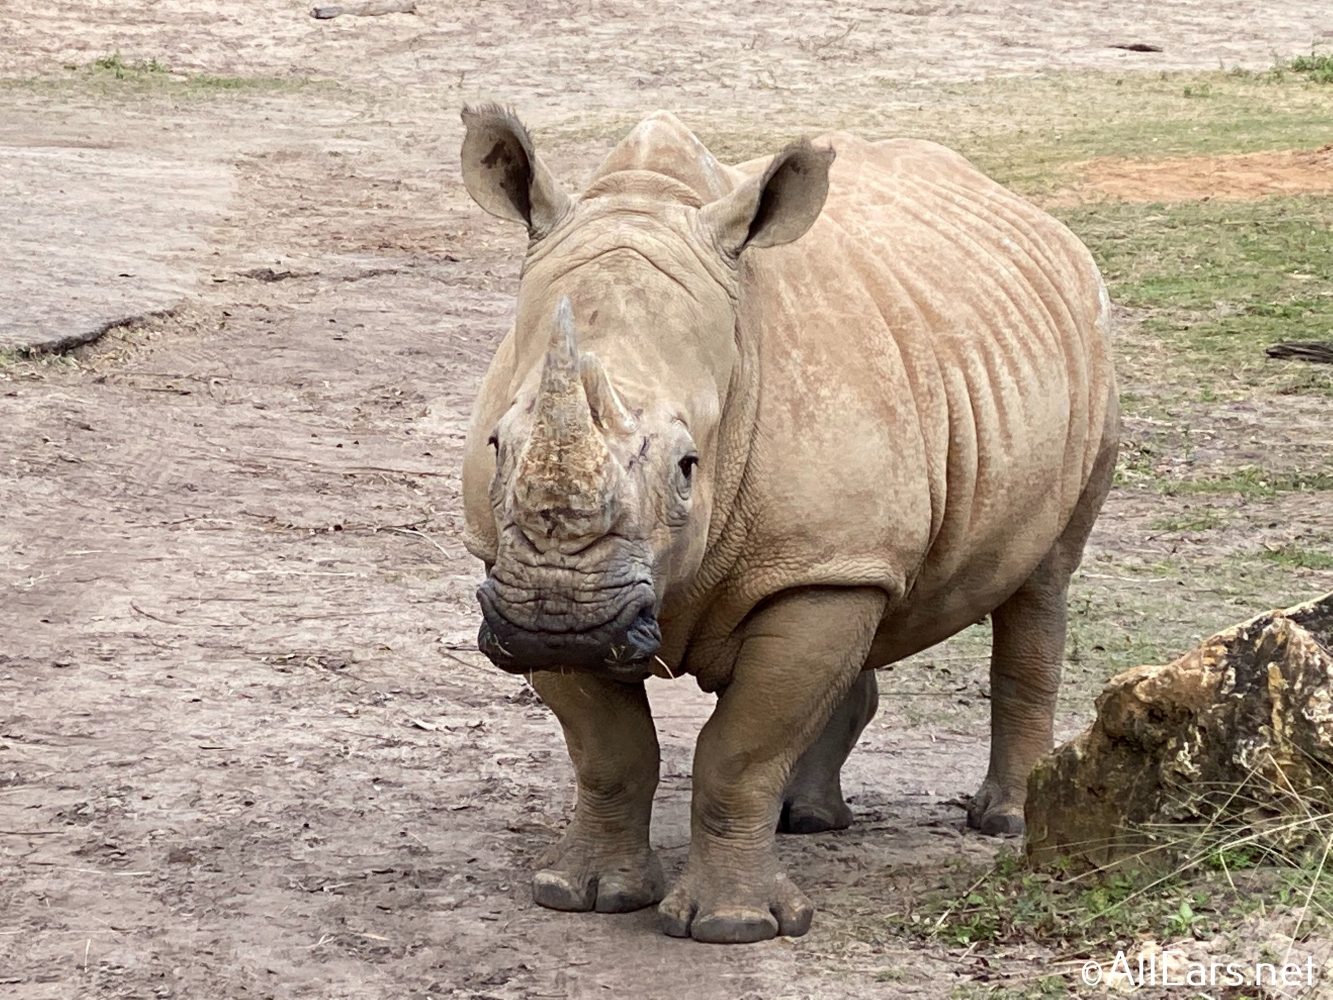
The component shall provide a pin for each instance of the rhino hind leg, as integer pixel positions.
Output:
(1027, 651)
(813, 801)
(604, 861)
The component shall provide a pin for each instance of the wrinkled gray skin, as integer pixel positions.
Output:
(773, 426)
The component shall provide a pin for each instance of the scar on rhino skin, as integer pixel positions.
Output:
(643, 451)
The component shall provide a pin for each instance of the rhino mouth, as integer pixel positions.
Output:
(621, 642)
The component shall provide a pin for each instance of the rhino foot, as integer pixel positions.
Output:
(577, 879)
(801, 815)
(703, 911)
(994, 813)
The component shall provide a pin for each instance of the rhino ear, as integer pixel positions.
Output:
(776, 207)
(504, 175)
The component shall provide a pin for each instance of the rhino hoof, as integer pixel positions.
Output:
(611, 892)
(994, 813)
(788, 914)
(808, 817)
(1000, 824)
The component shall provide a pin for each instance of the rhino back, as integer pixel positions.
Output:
(934, 386)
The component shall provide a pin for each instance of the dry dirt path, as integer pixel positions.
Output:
(245, 749)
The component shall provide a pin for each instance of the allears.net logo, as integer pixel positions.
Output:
(1167, 969)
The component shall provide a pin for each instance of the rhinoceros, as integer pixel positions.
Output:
(773, 426)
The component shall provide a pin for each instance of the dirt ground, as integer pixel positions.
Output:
(247, 748)
(1193, 178)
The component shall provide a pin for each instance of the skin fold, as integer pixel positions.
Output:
(773, 426)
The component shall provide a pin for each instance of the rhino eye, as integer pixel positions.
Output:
(687, 465)
(494, 441)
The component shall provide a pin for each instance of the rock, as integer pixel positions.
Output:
(1237, 730)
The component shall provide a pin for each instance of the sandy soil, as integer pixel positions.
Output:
(1237, 177)
(247, 749)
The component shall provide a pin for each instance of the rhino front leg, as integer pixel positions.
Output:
(603, 862)
(813, 800)
(798, 658)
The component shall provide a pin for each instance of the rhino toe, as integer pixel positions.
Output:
(617, 892)
(558, 891)
(611, 891)
(814, 817)
(734, 926)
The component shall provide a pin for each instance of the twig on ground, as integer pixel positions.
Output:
(168, 621)
(374, 8)
(419, 534)
(1303, 350)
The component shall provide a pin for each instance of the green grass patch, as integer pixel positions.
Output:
(119, 69)
(1295, 556)
(1012, 904)
(1104, 637)
(1189, 522)
(1217, 282)
(1250, 482)
(1315, 67)
(114, 75)
(150, 72)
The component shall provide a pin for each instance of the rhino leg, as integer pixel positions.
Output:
(813, 800)
(603, 862)
(1027, 650)
(798, 658)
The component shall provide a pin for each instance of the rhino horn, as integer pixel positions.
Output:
(566, 479)
(562, 353)
(607, 407)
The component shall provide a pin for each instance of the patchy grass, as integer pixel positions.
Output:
(1250, 482)
(116, 75)
(1011, 904)
(1149, 116)
(118, 68)
(1295, 556)
(1220, 882)
(1189, 522)
(1315, 67)
(1262, 869)
(1217, 282)
(1028, 132)
(151, 72)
